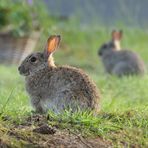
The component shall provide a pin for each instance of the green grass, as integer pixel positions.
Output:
(123, 119)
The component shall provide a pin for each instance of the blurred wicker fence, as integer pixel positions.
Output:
(14, 50)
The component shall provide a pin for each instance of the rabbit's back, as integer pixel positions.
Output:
(123, 62)
(64, 86)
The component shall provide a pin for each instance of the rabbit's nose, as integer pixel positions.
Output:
(19, 68)
(99, 53)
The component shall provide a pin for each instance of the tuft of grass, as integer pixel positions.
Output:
(117, 127)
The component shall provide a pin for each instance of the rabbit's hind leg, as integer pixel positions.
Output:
(122, 69)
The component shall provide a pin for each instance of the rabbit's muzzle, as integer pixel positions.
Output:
(23, 71)
(99, 52)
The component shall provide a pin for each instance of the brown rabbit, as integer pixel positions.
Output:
(57, 88)
(118, 61)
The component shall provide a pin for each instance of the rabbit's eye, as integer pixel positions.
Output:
(33, 59)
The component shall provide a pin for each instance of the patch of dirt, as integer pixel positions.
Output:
(35, 132)
(45, 129)
(68, 140)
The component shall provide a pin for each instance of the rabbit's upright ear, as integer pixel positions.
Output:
(117, 35)
(120, 34)
(52, 44)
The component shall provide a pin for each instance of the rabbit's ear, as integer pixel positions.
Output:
(117, 35)
(53, 43)
(120, 34)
